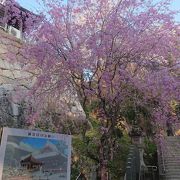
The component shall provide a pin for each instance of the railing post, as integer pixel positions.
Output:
(128, 172)
(132, 162)
(161, 161)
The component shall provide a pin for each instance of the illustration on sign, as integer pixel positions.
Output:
(33, 155)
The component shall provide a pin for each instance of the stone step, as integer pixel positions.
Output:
(174, 147)
(174, 150)
(168, 167)
(176, 156)
(172, 158)
(173, 171)
(173, 177)
(175, 164)
(171, 162)
(172, 137)
(172, 143)
(171, 140)
(176, 143)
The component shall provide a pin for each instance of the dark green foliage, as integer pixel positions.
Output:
(177, 111)
(150, 152)
(118, 133)
(85, 155)
(118, 164)
(130, 114)
(144, 111)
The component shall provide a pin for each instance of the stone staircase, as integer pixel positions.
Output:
(172, 158)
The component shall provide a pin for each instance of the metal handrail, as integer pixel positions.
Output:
(153, 168)
(147, 172)
(133, 163)
(161, 161)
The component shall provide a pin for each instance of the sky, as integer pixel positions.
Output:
(33, 6)
(176, 6)
(29, 4)
(37, 143)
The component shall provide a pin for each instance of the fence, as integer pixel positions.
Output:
(133, 164)
(134, 170)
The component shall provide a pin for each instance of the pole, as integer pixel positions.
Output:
(1, 131)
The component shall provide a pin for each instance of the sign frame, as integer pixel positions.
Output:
(39, 135)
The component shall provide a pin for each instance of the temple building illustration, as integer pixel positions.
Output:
(30, 163)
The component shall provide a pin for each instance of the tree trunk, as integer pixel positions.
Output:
(103, 169)
(104, 172)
